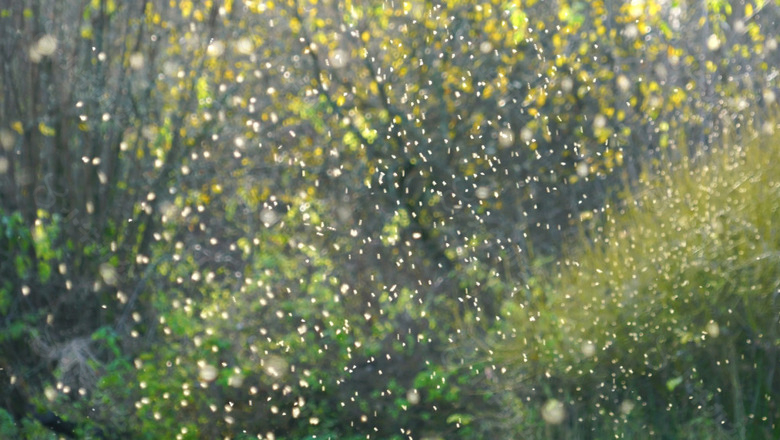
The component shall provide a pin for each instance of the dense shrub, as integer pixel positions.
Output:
(667, 325)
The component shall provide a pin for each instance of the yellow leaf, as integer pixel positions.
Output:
(295, 25)
(186, 8)
(748, 10)
(563, 13)
(541, 99)
(17, 127)
(46, 130)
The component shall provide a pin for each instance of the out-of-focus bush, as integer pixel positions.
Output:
(667, 325)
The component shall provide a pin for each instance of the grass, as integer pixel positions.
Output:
(666, 324)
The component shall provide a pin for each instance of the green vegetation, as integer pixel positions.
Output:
(286, 219)
(667, 325)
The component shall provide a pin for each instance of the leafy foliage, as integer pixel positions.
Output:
(300, 218)
(654, 328)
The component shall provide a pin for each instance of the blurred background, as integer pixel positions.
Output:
(389, 219)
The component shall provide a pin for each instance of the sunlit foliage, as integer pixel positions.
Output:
(652, 330)
(281, 219)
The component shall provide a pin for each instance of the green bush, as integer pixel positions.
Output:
(667, 324)
(8, 427)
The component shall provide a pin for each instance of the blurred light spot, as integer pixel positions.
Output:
(338, 58)
(108, 273)
(505, 138)
(713, 329)
(7, 138)
(588, 349)
(207, 373)
(137, 61)
(216, 48)
(44, 47)
(245, 46)
(623, 83)
(713, 42)
(413, 397)
(553, 412)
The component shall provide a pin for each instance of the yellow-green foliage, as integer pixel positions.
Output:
(668, 321)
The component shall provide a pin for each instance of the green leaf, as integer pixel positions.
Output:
(463, 419)
(44, 271)
(671, 384)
